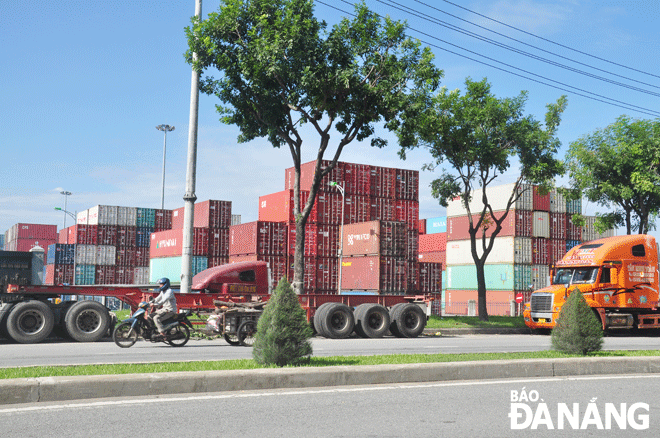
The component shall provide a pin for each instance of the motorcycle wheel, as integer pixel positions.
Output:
(178, 336)
(124, 335)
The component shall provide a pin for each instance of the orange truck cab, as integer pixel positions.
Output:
(618, 277)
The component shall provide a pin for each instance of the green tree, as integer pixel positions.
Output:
(280, 70)
(617, 167)
(479, 136)
(282, 331)
(577, 330)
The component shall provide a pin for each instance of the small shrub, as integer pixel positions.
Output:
(578, 330)
(283, 334)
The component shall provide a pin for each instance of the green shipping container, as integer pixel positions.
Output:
(170, 267)
(500, 276)
(85, 274)
(146, 217)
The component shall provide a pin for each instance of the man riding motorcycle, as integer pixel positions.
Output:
(165, 303)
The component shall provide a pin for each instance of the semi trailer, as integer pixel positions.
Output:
(30, 314)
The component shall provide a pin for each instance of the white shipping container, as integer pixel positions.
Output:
(235, 219)
(540, 276)
(81, 218)
(141, 276)
(541, 224)
(505, 250)
(86, 254)
(127, 216)
(106, 255)
(498, 197)
(557, 202)
(102, 215)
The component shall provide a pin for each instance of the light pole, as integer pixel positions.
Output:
(165, 129)
(341, 234)
(65, 213)
(66, 195)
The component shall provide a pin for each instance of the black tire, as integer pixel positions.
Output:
(87, 321)
(30, 322)
(178, 336)
(232, 339)
(337, 321)
(393, 327)
(318, 318)
(246, 332)
(371, 320)
(409, 320)
(4, 313)
(124, 335)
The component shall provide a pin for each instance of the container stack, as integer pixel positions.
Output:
(24, 237)
(536, 233)
(433, 258)
(212, 220)
(371, 193)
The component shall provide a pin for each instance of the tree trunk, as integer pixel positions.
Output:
(481, 291)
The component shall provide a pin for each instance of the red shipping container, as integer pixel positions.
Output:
(539, 251)
(105, 274)
(517, 223)
(106, 235)
(327, 209)
(573, 232)
(407, 211)
(218, 242)
(412, 245)
(357, 178)
(59, 274)
(126, 256)
(80, 234)
(217, 261)
(383, 209)
(422, 226)
(25, 245)
(124, 275)
(383, 182)
(327, 273)
(430, 277)
(309, 276)
(556, 250)
(433, 242)
(163, 220)
(259, 237)
(433, 257)
(357, 208)
(169, 243)
(407, 184)
(385, 275)
(385, 238)
(307, 171)
(558, 228)
(207, 214)
(541, 202)
(32, 231)
(141, 257)
(279, 207)
(126, 236)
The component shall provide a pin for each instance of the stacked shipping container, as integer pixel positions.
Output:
(24, 237)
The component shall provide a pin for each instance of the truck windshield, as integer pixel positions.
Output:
(575, 275)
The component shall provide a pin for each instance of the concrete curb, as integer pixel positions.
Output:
(49, 389)
(477, 331)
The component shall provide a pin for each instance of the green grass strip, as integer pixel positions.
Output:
(245, 364)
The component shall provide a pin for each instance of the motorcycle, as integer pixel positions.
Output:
(177, 329)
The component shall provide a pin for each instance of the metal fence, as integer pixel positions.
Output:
(470, 308)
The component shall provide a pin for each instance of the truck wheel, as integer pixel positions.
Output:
(318, 317)
(337, 321)
(30, 322)
(393, 327)
(409, 320)
(371, 320)
(4, 313)
(87, 321)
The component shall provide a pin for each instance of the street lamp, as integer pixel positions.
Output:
(165, 129)
(341, 234)
(66, 195)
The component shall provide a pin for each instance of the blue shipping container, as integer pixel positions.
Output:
(146, 217)
(499, 276)
(85, 274)
(143, 236)
(60, 254)
(436, 225)
(170, 267)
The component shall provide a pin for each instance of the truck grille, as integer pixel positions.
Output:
(541, 302)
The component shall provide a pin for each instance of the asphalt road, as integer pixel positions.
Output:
(74, 353)
(480, 408)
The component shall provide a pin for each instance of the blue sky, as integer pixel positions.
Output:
(84, 84)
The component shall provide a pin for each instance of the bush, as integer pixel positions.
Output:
(282, 331)
(578, 329)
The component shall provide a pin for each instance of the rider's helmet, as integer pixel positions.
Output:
(164, 283)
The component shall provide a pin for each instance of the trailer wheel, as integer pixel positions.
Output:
(4, 313)
(393, 327)
(30, 322)
(246, 333)
(337, 321)
(87, 321)
(371, 320)
(318, 317)
(409, 320)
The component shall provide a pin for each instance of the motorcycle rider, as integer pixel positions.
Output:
(165, 302)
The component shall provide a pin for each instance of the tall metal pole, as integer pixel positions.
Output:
(189, 197)
(341, 235)
(66, 195)
(166, 129)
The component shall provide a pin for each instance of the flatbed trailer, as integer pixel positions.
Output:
(29, 314)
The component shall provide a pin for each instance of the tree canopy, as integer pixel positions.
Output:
(617, 167)
(481, 137)
(280, 68)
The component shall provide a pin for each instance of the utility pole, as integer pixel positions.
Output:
(166, 129)
(189, 197)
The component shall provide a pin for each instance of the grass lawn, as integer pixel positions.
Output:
(438, 322)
